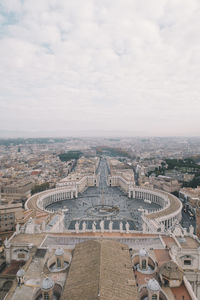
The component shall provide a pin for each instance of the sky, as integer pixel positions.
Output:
(100, 65)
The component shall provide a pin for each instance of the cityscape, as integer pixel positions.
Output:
(59, 193)
(99, 150)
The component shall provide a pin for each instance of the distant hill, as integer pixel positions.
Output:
(69, 133)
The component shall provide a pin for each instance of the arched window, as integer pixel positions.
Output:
(144, 264)
(58, 263)
(46, 296)
(154, 297)
(166, 282)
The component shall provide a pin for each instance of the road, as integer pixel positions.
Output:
(187, 220)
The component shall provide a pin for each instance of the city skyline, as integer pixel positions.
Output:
(127, 68)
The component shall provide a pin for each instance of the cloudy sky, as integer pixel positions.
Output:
(128, 65)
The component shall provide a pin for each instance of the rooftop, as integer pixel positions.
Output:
(162, 256)
(189, 242)
(175, 204)
(171, 271)
(181, 293)
(101, 270)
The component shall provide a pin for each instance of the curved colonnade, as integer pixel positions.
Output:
(40, 201)
(67, 190)
(55, 195)
(162, 219)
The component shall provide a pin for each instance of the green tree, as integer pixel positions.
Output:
(39, 188)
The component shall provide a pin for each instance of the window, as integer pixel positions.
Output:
(58, 263)
(144, 264)
(187, 262)
(46, 296)
(154, 297)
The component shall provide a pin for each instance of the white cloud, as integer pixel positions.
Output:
(100, 64)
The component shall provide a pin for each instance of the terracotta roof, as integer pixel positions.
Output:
(181, 293)
(162, 256)
(35, 239)
(189, 242)
(171, 271)
(13, 267)
(101, 270)
(169, 241)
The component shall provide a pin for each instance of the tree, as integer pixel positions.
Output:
(39, 188)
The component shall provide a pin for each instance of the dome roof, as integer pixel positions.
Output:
(153, 285)
(171, 271)
(59, 252)
(143, 252)
(47, 284)
(20, 273)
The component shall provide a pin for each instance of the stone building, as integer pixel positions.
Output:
(91, 266)
(8, 215)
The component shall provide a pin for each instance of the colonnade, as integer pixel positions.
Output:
(164, 218)
(155, 219)
(55, 196)
(150, 195)
(66, 191)
(170, 204)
